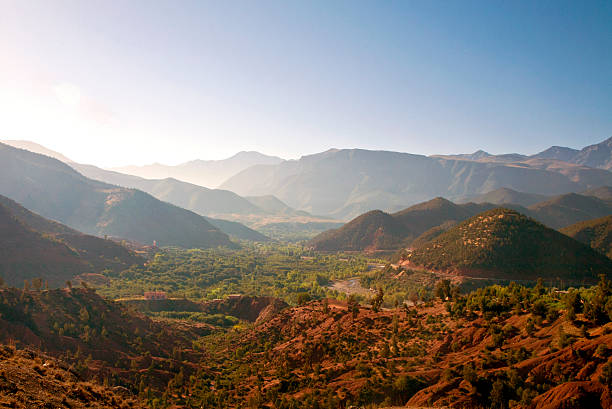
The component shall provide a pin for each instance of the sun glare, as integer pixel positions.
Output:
(68, 94)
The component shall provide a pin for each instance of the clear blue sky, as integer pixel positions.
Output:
(129, 82)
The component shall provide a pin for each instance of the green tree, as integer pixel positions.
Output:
(378, 300)
(443, 290)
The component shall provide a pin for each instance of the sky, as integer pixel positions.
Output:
(115, 82)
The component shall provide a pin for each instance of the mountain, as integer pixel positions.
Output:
(603, 193)
(374, 230)
(558, 153)
(209, 173)
(34, 247)
(224, 209)
(56, 191)
(596, 233)
(564, 210)
(504, 195)
(505, 244)
(595, 156)
(273, 205)
(348, 182)
(482, 156)
(237, 230)
(198, 199)
(37, 148)
(377, 230)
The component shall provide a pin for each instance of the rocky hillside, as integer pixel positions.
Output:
(505, 244)
(490, 348)
(101, 339)
(595, 233)
(35, 247)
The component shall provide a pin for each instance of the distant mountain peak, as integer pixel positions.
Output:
(36, 148)
(480, 154)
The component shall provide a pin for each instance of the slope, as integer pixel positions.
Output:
(602, 192)
(595, 233)
(35, 247)
(275, 206)
(505, 195)
(99, 338)
(56, 191)
(568, 209)
(37, 148)
(26, 254)
(237, 230)
(505, 244)
(198, 199)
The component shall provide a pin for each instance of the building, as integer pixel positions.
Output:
(155, 295)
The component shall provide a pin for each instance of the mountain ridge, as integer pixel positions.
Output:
(208, 173)
(344, 183)
(56, 191)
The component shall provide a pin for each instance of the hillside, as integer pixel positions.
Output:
(208, 173)
(32, 379)
(26, 254)
(377, 230)
(505, 244)
(273, 205)
(505, 196)
(595, 233)
(602, 192)
(480, 350)
(99, 339)
(198, 199)
(56, 191)
(344, 183)
(565, 210)
(34, 247)
(237, 230)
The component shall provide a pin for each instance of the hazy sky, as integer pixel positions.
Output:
(130, 82)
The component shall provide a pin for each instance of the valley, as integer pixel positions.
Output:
(305, 204)
(180, 296)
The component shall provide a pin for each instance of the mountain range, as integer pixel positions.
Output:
(377, 230)
(224, 209)
(56, 191)
(344, 183)
(209, 173)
